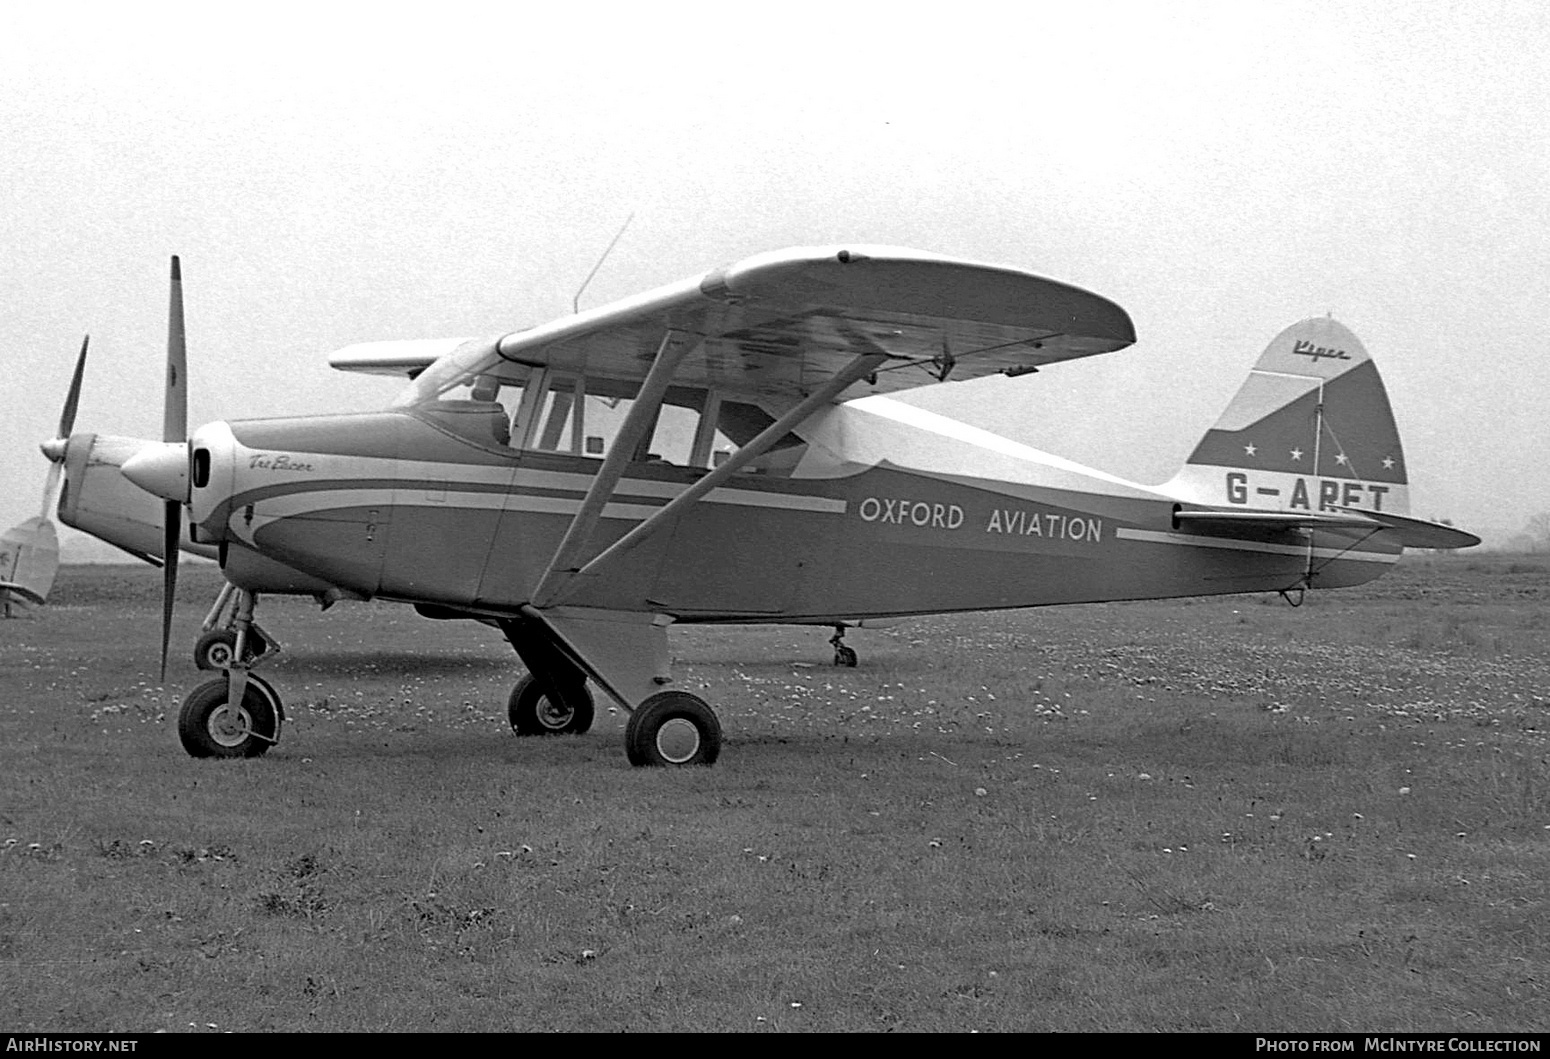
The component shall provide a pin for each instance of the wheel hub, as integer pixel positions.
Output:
(230, 727)
(554, 715)
(678, 740)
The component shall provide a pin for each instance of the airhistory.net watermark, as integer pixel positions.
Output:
(68, 1044)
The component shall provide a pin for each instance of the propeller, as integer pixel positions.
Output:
(55, 449)
(174, 428)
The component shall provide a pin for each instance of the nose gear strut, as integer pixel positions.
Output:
(237, 714)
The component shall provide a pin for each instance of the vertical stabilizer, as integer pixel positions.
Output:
(1310, 431)
(29, 559)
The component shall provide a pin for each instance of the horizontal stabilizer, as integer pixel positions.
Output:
(1403, 530)
(21, 590)
(1272, 520)
(1418, 533)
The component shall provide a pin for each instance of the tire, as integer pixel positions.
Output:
(845, 656)
(208, 727)
(215, 649)
(531, 711)
(672, 728)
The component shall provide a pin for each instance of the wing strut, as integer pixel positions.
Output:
(563, 564)
(860, 367)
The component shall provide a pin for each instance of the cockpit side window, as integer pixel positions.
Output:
(597, 415)
(501, 404)
(554, 418)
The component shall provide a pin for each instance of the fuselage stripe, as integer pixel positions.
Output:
(1193, 541)
(455, 480)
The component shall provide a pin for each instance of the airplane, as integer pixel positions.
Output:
(483, 490)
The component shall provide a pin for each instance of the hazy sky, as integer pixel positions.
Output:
(333, 174)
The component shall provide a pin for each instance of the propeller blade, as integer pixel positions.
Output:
(174, 428)
(174, 422)
(73, 398)
(50, 485)
(55, 448)
(172, 518)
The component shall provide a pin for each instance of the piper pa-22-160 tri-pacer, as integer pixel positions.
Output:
(724, 450)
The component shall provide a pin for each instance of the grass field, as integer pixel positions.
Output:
(1219, 814)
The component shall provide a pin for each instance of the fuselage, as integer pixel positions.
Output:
(888, 511)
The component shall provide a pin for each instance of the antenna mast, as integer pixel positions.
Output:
(575, 303)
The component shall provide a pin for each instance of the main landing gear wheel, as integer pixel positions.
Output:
(209, 726)
(217, 649)
(844, 655)
(532, 711)
(672, 728)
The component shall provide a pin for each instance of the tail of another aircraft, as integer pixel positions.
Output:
(1310, 432)
(29, 559)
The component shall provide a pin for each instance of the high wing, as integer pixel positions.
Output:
(779, 324)
(1409, 532)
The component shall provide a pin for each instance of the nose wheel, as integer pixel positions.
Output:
(237, 714)
(211, 725)
(217, 649)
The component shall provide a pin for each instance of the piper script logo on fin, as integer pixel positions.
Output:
(1304, 348)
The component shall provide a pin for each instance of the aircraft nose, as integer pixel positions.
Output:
(54, 449)
(160, 468)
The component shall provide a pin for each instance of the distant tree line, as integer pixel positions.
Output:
(1535, 536)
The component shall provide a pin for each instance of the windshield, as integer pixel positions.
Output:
(456, 370)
